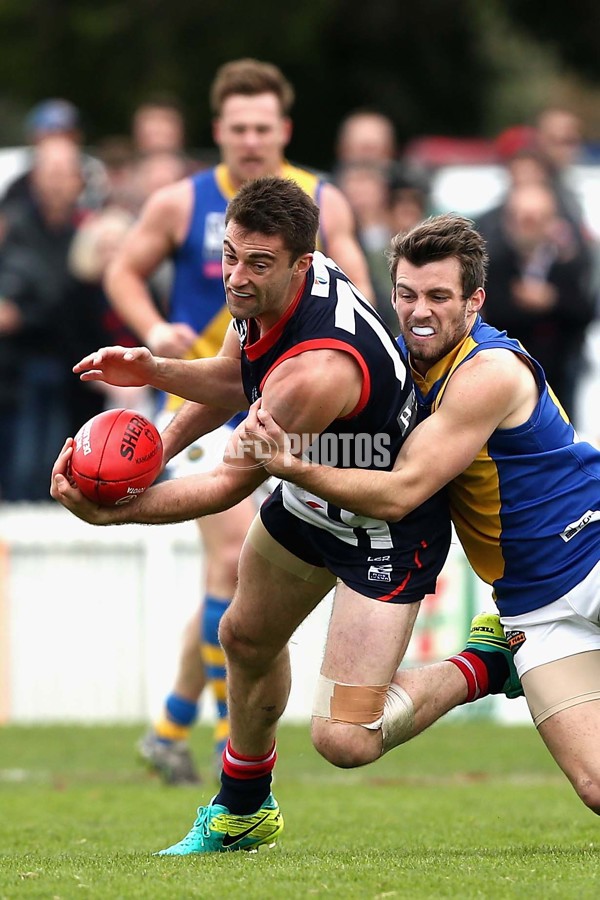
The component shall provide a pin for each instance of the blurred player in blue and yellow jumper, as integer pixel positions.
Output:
(184, 222)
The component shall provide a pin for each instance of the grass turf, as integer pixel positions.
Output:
(466, 810)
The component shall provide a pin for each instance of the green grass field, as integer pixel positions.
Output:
(466, 810)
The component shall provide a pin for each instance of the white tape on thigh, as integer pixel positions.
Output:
(352, 704)
(398, 718)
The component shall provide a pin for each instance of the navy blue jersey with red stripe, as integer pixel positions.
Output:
(329, 312)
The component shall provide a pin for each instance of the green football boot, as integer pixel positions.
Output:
(216, 830)
(487, 635)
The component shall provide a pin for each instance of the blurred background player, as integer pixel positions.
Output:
(250, 101)
(366, 186)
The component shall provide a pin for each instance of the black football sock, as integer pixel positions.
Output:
(243, 796)
(497, 668)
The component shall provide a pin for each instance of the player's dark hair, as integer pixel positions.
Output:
(250, 77)
(441, 237)
(277, 206)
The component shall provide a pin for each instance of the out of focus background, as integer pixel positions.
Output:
(489, 109)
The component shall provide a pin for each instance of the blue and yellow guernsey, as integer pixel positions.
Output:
(527, 509)
(198, 297)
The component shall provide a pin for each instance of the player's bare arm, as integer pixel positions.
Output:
(157, 233)
(300, 390)
(215, 381)
(339, 228)
(179, 500)
(493, 390)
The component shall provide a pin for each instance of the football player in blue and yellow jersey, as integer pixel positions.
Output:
(185, 222)
(524, 490)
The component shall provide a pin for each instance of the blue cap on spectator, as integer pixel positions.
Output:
(50, 116)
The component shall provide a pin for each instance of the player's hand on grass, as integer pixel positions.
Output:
(64, 490)
(121, 366)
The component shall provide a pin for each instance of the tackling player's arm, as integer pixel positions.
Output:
(159, 230)
(494, 389)
(306, 395)
(339, 228)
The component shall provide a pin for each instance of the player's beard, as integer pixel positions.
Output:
(445, 340)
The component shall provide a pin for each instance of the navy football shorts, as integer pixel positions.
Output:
(403, 573)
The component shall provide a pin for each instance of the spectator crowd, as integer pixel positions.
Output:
(63, 217)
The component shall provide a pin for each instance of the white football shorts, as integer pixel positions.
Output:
(568, 626)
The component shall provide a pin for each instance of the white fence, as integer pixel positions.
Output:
(91, 619)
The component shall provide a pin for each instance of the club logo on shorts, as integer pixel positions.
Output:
(514, 639)
(380, 573)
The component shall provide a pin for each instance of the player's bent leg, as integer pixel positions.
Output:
(355, 722)
(557, 653)
(564, 699)
(366, 642)
(485, 666)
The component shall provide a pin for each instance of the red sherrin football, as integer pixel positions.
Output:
(117, 455)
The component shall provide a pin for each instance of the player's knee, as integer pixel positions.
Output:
(346, 723)
(343, 745)
(354, 724)
(239, 646)
(232, 637)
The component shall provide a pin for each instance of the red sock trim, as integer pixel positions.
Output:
(475, 672)
(238, 766)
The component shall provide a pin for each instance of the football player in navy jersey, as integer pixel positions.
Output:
(523, 489)
(184, 222)
(305, 339)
